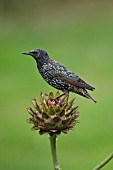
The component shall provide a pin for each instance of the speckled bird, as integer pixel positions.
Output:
(58, 76)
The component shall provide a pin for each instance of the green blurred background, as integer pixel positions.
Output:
(78, 34)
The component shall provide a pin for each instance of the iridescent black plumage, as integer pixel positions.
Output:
(59, 76)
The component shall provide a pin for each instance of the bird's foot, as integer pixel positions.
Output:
(62, 101)
(56, 98)
(57, 101)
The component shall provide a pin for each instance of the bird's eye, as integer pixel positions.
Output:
(44, 53)
(34, 52)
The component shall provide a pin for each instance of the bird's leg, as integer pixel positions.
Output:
(62, 101)
(56, 98)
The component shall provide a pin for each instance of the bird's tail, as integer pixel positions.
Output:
(83, 92)
(89, 97)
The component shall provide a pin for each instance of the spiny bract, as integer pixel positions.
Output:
(53, 116)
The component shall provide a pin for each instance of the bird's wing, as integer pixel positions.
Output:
(66, 75)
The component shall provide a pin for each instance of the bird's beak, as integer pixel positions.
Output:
(27, 53)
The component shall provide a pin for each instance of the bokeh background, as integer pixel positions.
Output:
(78, 34)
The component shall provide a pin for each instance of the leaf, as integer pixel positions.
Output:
(31, 111)
(51, 94)
(35, 128)
(51, 110)
(70, 104)
(37, 105)
(44, 106)
(57, 94)
(62, 111)
(45, 115)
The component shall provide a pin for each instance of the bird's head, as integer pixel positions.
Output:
(37, 54)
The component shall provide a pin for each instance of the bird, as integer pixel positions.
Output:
(58, 76)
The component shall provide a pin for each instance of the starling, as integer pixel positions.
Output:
(58, 76)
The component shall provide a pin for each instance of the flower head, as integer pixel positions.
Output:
(53, 115)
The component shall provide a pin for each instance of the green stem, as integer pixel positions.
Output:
(53, 151)
(103, 163)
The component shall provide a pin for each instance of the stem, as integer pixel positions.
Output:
(53, 151)
(103, 163)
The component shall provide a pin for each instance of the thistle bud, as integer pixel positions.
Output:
(52, 114)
